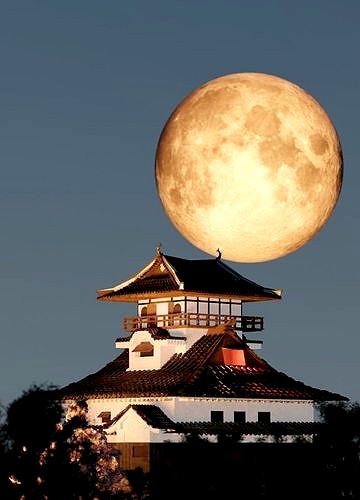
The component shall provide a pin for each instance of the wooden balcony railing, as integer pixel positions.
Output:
(194, 320)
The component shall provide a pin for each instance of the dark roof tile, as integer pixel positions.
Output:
(167, 274)
(196, 373)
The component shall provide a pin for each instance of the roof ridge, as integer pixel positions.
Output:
(170, 268)
(195, 374)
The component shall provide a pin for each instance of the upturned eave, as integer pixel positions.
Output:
(135, 297)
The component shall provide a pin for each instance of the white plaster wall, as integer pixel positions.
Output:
(131, 429)
(167, 348)
(162, 308)
(188, 410)
(96, 406)
(164, 349)
(190, 334)
(142, 363)
(116, 405)
(197, 409)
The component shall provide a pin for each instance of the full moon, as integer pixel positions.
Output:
(250, 164)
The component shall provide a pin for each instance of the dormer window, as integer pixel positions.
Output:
(145, 349)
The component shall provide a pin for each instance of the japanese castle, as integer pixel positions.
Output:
(188, 363)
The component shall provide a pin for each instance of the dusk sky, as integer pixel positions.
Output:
(86, 87)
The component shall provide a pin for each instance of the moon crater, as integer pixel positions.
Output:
(249, 163)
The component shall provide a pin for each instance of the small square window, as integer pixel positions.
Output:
(217, 416)
(146, 354)
(140, 450)
(145, 349)
(239, 417)
(264, 417)
(105, 416)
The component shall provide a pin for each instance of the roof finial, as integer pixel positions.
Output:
(219, 254)
(158, 249)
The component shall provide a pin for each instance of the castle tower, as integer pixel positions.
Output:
(185, 298)
(186, 364)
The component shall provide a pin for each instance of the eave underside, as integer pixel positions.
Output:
(150, 294)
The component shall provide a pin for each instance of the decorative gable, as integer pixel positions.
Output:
(151, 349)
(140, 424)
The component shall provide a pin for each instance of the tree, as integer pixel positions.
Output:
(54, 456)
(30, 424)
(338, 445)
(81, 454)
(31, 419)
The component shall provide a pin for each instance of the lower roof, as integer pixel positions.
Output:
(200, 372)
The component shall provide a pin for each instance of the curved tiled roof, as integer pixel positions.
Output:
(199, 372)
(168, 275)
(151, 414)
(156, 332)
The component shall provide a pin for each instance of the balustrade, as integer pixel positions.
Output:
(194, 320)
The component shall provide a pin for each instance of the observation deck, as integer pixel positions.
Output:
(193, 320)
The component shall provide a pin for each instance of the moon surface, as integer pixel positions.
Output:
(251, 164)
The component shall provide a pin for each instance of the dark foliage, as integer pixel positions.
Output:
(338, 446)
(194, 469)
(35, 451)
(29, 424)
(31, 419)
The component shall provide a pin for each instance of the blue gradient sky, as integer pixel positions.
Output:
(86, 87)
